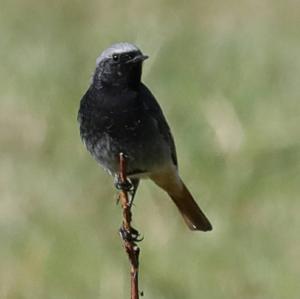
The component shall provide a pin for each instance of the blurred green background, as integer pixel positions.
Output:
(227, 77)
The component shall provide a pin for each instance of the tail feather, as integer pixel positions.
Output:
(190, 211)
(187, 206)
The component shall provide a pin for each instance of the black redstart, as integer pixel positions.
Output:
(118, 113)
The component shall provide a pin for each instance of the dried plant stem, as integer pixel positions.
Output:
(129, 235)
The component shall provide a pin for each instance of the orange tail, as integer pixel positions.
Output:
(191, 212)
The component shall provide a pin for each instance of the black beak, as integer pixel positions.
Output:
(137, 58)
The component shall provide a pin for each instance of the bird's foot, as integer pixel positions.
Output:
(124, 186)
(131, 235)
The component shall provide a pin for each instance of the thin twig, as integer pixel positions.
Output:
(128, 234)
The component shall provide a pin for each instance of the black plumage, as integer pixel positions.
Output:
(118, 113)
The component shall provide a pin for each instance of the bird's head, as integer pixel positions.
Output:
(119, 65)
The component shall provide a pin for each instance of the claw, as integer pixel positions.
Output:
(124, 186)
(130, 236)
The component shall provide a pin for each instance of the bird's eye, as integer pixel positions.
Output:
(115, 57)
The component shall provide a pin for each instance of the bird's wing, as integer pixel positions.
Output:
(153, 108)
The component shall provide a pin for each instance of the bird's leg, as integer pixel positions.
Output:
(134, 183)
(130, 185)
(126, 186)
(122, 185)
(131, 236)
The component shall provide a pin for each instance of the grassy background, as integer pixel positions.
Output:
(227, 76)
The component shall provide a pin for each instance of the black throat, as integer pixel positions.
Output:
(121, 76)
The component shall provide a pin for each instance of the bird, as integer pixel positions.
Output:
(119, 114)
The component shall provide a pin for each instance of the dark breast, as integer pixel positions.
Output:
(111, 123)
